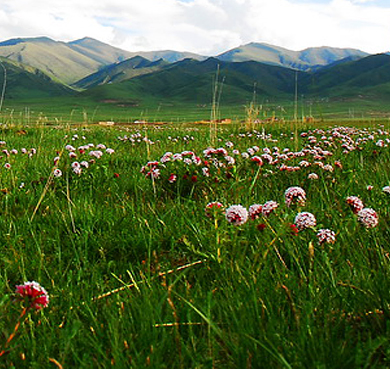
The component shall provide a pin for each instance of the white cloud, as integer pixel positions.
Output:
(204, 26)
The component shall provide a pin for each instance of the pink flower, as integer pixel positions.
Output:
(57, 173)
(355, 203)
(297, 194)
(236, 214)
(255, 211)
(326, 236)
(7, 166)
(257, 160)
(305, 220)
(368, 217)
(312, 176)
(269, 207)
(36, 295)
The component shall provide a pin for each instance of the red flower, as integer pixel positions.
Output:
(36, 295)
(116, 175)
(261, 227)
(294, 229)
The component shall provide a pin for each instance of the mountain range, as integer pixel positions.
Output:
(37, 67)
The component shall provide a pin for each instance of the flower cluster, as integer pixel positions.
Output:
(355, 203)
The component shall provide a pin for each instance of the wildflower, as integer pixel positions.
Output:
(57, 173)
(172, 178)
(257, 159)
(75, 164)
(294, 229)
(312, 176)
(297, 194)
(110, 151)
(154, 173)
(386, 189)
(305, 220)
(368, 217)
(213, 208)
(56, 160)
(236, 214)
(77, 170)
(370, 188)
(269, 207)
(326, 236)
(255, 211)
(84, 164)
(116, 175)
(355, 203)
(7, 166)
(72, 155)
(36, 295)
(261, 227)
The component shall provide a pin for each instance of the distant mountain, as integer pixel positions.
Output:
(23, 82)
(308, 59)
(169, 55)
(67, 62)
(119, 72)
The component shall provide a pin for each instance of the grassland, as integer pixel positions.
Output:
(139, 276)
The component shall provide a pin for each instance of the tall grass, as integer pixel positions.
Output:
(139, 276)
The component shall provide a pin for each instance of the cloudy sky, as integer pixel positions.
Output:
(207, 27)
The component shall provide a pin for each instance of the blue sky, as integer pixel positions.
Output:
(206, 27)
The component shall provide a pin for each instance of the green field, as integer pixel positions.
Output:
(140, 275)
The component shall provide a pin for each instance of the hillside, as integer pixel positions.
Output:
(119, 72)
(24, 82)
(367, 75)
(192, 81)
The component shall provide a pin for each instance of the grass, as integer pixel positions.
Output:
(139, 277)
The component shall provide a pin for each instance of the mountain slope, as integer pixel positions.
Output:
(23, 82)
(67, 62)
(119, 72)
(351, 78)
(310, 58)
(193, 81)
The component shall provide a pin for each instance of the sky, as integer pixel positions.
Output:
(206, 27)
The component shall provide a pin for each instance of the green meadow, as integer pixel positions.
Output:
(140, 273)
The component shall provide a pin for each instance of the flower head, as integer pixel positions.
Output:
(368, 217)
(236, 214)
(212, 208)
(326, 236)
(295, 194)
(305, 220)
(255, 211)
(35, 294)
(269, 207)
(355, 203)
